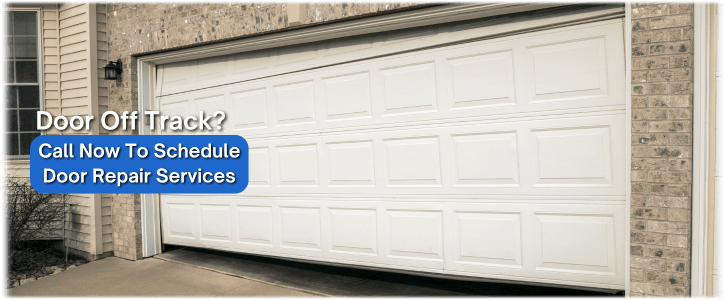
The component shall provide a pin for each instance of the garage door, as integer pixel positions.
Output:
(500, 158)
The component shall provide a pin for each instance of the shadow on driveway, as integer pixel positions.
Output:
(342, 281)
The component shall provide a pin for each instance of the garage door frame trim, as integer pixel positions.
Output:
(150, 204)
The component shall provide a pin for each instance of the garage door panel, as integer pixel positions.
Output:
(483, 80)
(295, 103)
(353, 231)
(572, 157)
(409, 88)
(180, 221)
(215, 222)
(500, 158)
(259, 167)
(351, 163)
(249, 109)
(485, 159)
(488, 238)
(566, 70)
(347, 96)
(578, 243)
(527, 241)
(564, 156)
(575, 242)
(255, 225)
(476, 80)
(300, 228)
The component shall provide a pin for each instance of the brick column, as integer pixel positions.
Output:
(662, 100)
(125, 208)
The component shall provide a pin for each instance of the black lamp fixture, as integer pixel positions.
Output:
(112, 70)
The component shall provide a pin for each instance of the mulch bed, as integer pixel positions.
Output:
(35, 262)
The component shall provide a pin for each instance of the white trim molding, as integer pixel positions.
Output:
(40, 69)
(147, 64)
(701, 104)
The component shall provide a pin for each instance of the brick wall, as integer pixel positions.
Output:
(140, 28)
(662, 95)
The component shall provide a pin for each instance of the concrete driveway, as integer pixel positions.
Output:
(183, 271)
(149, 277)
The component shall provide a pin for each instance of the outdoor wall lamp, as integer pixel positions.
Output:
(112, 70)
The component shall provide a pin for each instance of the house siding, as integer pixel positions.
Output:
(69, 88)
(662, 113)
(75, 98)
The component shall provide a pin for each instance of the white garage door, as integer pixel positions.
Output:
(501, 158)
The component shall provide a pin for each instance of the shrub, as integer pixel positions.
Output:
(32, 219)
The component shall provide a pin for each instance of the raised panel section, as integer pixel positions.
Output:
(259, 167)
(175, 109)
(215, 221)
(410, 89)
(255, 225)
(575, 243)
(483, 80)
(250, 61)
(353, 231)
(489, 238)
(298, 165)
(569, 70)
(351, 164)
(416, 234)
(413, 162)
(211, 68)
(250, 109)
(295, 103)
(347, 96)
(209, 105)
(486, 159)
(570, 157)
(301, 228)
(176, 74)
(181, 220)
